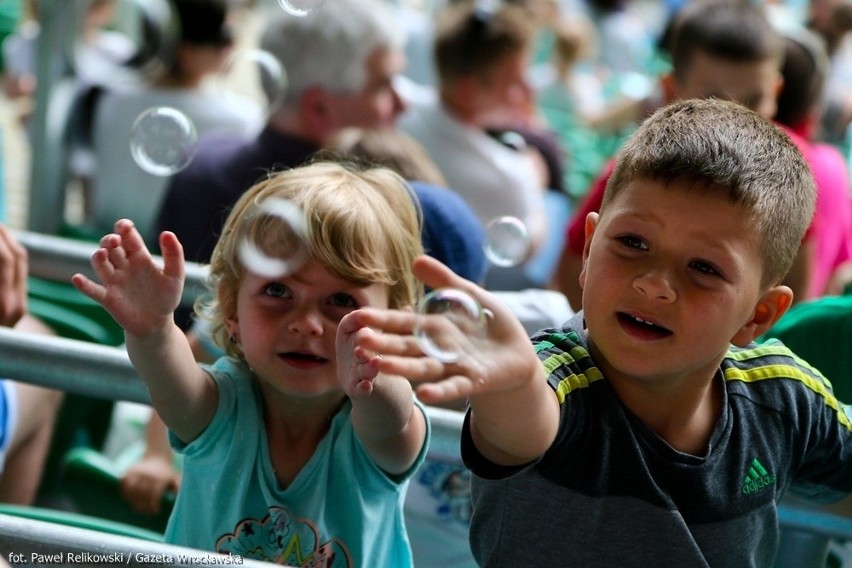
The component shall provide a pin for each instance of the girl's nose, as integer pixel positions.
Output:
(306, 321)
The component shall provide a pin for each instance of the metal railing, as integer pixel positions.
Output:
(59, 258)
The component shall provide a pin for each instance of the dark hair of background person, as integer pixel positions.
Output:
(804, 70)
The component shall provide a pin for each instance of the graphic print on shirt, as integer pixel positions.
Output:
(449, 486)
(284, 538)
(756, 477)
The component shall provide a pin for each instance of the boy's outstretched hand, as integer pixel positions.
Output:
(504, 360)
(139, 293)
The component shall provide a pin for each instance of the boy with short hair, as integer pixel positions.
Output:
(650, 430)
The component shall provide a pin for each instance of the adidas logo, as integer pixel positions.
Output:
(757, 478)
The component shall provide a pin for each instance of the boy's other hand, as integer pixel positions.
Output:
(502, 361)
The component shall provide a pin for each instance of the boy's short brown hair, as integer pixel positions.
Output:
(722, 146)
(470, 38)
(733, 30)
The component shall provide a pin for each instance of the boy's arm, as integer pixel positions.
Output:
(514, 413)
(142, 296)
(388, 423)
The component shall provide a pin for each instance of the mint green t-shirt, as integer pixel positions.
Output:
(341, 510)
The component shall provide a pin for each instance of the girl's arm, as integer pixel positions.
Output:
(384, 416)
(142, 296)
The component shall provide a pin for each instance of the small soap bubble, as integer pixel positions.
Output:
(254, 74)
(507, 241)
(163, 141)
(284, 249)
(299, 7)
(460, 323)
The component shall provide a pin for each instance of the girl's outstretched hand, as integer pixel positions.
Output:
(139, 294)
(356, 366)
(501, 361)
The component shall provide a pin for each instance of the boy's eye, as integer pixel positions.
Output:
(704, 268)
(342, 300)
(631, 241)
(276, 290)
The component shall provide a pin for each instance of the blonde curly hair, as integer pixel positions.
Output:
(361, 224)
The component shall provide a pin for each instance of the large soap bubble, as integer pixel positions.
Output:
(456, 323)
(163, 140)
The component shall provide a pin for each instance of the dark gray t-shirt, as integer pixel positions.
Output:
(610, 492)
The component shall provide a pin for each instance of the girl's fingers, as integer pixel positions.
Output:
(102, 264)
(89, 288)
(172, 253)
(117, 257)
(131, 240)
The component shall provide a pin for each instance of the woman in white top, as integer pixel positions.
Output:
(120, 187)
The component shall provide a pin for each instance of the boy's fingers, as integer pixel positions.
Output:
(414, 369)
(435, 274)
(390, 344)
(389, 321)
(452, 388)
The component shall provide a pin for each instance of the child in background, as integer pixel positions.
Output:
(295, 448)
(650, 430)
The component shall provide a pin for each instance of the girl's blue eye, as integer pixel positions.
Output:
(343, 301)
(276, 290)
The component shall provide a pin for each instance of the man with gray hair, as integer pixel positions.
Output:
(340, 63)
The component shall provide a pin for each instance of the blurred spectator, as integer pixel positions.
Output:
(120, 187)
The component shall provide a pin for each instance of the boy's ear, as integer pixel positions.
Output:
(771, 306)
(669, 87)
(591, 225)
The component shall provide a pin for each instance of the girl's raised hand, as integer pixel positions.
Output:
(139, 293)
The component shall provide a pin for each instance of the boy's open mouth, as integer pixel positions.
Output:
(642, 328)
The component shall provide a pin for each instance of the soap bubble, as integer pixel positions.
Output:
(284, 231)
(255, 74)
(300, 7)
(458, 323)
(163, 141)
(507, 241)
